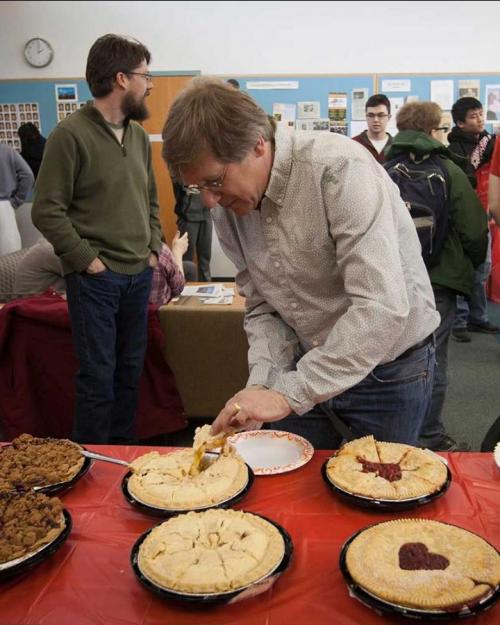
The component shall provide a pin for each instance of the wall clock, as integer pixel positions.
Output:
(38, 52)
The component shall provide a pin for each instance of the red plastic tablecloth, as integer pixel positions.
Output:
(89, 581)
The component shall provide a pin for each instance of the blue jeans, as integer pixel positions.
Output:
(433, 430)
(109, 314)
(475, 309)
(390, 403)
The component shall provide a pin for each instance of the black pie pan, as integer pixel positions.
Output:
(385, 505)
(29, 561)
(168, 512)
(383, 606)
(232, 596)
(59, 487)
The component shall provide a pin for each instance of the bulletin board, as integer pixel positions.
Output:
(421, 87)
(306, 88)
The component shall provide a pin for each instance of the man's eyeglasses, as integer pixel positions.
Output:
(211, 185)
(443, 128)
(147, 75)
(376, 115)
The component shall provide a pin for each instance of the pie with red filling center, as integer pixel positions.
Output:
(380, 470)
(424, 564)
(211, 552)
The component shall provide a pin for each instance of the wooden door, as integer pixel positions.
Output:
(159, 102)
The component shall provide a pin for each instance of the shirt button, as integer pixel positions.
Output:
(277, 264)
(315, 343)
(294, 304)
(269, 220)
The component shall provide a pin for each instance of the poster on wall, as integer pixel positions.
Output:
(308, 110)
(66, 108)
(12, 115)
(391, 85)
(358, 102)
(66, 93)
(492, 102)
(468, 89)
(284, 114)
(442, 93)
(337, 107)
(340, 128)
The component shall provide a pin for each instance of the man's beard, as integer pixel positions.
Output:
(132, 109)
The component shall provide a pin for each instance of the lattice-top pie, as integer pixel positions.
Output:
(211, 552)
(166, 480)
(28, 521)
(424, 564)
(370, 468)
(32, 461)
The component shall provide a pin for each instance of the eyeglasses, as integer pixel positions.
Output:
(147, 76)
(443, 128)
(376, 115)
(212, 185)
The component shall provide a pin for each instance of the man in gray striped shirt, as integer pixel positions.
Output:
(340, 312)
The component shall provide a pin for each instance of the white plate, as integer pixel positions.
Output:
(269, 452)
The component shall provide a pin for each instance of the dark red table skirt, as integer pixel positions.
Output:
(38, 366)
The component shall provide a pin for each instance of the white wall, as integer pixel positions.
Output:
(261, 37)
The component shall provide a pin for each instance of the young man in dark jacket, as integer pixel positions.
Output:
(464, 248)
(375, 139)
(96, 203)
(472, 146)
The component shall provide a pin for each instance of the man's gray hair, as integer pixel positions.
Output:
(210, 116)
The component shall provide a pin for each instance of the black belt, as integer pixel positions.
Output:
(422, 343)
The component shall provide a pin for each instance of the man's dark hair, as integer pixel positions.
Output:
(109, 55)
(462, 106)
(233, 82)
(377, 99)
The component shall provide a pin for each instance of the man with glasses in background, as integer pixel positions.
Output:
(472, 147)
(96, 203)
(339, 308)
(375, 139)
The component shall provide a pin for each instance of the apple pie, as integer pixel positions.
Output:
(30, 461)
(167, 481)
(27, 522)
(423, 564)
(391, 471)
(211, 552)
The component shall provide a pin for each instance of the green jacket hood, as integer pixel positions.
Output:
(417, 142)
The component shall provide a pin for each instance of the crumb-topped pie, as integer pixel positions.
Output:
(30, 461)
(28, 521)
(391, 471)
(423, 564)
(211, 552)
(176, 481)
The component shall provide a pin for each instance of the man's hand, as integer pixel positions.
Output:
(96, 266)
(250, 408)
(153, 260)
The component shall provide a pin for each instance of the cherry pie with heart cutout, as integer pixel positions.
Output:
(423, 564)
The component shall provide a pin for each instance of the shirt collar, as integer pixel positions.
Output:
(282, 165)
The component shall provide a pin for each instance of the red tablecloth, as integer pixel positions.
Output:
(38, 366)
(89, 581)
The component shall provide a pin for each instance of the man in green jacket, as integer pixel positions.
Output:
(96, 203)
(464, 247)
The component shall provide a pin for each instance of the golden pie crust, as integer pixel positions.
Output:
(165, 481)
(32, 461)
(27, 522)
(211, 552)
(470, 566)
(380, 470)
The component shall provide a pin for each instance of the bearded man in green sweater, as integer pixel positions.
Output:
(96, 202)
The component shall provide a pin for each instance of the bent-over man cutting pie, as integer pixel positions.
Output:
(340, 313)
